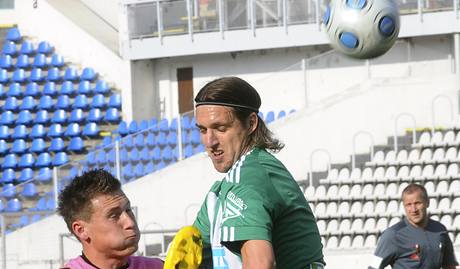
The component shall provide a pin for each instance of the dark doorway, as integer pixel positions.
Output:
(185, 85)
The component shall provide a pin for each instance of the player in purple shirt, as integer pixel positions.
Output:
(99, 214)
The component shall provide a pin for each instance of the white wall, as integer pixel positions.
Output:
(106, 9)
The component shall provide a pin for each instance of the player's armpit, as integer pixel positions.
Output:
(257, 254)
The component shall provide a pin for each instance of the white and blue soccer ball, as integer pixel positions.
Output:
(362, 28)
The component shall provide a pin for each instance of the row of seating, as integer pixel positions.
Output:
(40, 176)
(39, 60)
(438, 139)
(14, 48)
(39, 145)
(39, 75)
(28, 160)
(90, 129)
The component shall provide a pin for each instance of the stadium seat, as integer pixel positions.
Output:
(358, 241)
(67, 88)
(44, 47)
(29, 190)
(112, 115)
(11, 104)
(4, 132)
(46, 103)
(6, 61)
(63, 102)
(4, 149)
(8, 177)
(91, 158)
(195, 138)
(44, 175)
(91, 130)
(13, 205)
(115, 101)
(59, 116)
(77, 116)
(56, 145)
(71, 74)
(28, 103)
(161, 139)
(27, 48)
(172, 126)
(13, 35)
(134, 156)
(371, 241)
(88, 74)
(14, 90)
(163, 125)
(95, 115)
(19, 146)
(101, 157)
(23, 61)
(32, 89)
(73, 130)
(451, 154)
(38, 146)
(55, 130)
(20, 132)
(270, 117)
(281, 114)
(132, 127)
(81, 101)
(10, 161)
(24, 118)
(76, 145)
(139, 170)
(4, 76)
(26, 161)
(122, 128)
(139, 141)
(128, 172)
(149, 168)
(84, 87)
(145, 155)
(40, 61)
(150, 140)
(9, 47)
(36, 75)
(98, 101)
(50, 89)
(156, 154)
(60, 158)
(127, 142)
(38, 131)
(102, 87)
(57, 60)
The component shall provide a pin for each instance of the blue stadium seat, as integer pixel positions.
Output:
(53, 74)
(73, 172)
(156, 154)
(4, 76)
(55, 130)
(40, 61)
(77, 116)
(23, 61)
(143, 125)
(128, 172)
(42, 117)
(160, 165)
(23, 221)
(13, 34)
(134, 156)
(50, 203)
(149, 168)
(19, 146)
(167, 154)
(102, 87)
(95, 115)
(163, 125)
(36, 75)
(139, 141)
(46, 103)
(76, 145)
(101, 157)
(50, 89)
(195, 138)
(139, 170)
(281, 114)
(13, 205)
(32, 89)
(9, 47)
(4, 132)
(10, 161)
(20, 132)
(173, 125)
(56, 145)
(27, 48)
(98, 101)
(4, 149)
(198, 148)
(26, 161)
(71, 74)
(84, 87)
(88, 73)
(111, 156)
(7, 118)
(145, 156)
(11, 103)
(14, 90)
(81, 101)
(24, 118)
(26, 175)
(43, 160)
(28, 104)
(40, 205)
(8, 177)
(132, 127)
(91, 158)
(188, 151)
(112, 115)
(123, 128)
(186, 123)
(270, 117)
(73, 130)
(57, 60)
(107, 141)
(63, 102)
(91, 130)
(8, 190)
(38, 131)
(161, 139)
(6, 61)
(67, 88)
(115, 101)
(172, 139)
(127, 142)
(38, 146)
(59, 116)
(124, 157)
(44, 175)
(44, 47)
(35, 218)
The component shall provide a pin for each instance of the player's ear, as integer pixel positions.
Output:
(80, 230)
(253, 122)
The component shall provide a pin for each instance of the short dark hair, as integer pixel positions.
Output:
(413, 187)
(75, 200)
(244, 100)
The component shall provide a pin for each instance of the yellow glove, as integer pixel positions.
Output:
(185, 251)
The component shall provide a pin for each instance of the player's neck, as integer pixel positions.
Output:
(101, 261)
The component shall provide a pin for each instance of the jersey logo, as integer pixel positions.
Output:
(414, 256)
(233, 207)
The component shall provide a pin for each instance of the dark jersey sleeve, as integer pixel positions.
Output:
(448, 258)
(386, 251)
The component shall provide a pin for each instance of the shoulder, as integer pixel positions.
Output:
(393, 230)
(435, 226)
(262, 163)
(139, 262)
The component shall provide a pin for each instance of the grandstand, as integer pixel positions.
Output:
(110, 85)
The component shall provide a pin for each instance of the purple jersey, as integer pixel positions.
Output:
(135, 262)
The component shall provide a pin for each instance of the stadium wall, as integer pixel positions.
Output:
(108, 10)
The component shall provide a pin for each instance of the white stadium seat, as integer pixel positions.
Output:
(312, 207)
(357, 225)
(356, 207)
(456, 204)
(440, 171)
(426, 156)
(437, 138)
(446, 220)
(320, 209)
(345, 225)
(454, 187)
(390, 157)
(332, 175)
(345, 241)
(393, 221)
(442, 187)
(449, 138)
(402, 156)
(393, 206)
(368, 207)
(367, 173)
(435, 217)
(379, 190)
(414, 156)
(424, 139)
(332, 192)
(402, 186)
(355, 175)
(456, 222)
(379, 158)
(444, 204)
(309, 192)
(452, 171)
(390, 173)
(392, 190)
(457, 239)
(430, 188)
(382, 224)
(358, 241)
(344, 208)
(320, 192)
(371, 241)
(379, 173)
(332, 226)
(438, 155)
(344, 191)
(433, 204)
(369, 224)
(331, 209)
(403, 172)
(321, 225)
(367, 190)
(355, 191)
(332, 242)
(415, 172)
(344, 175)
(380, 207)
(428, 171)
(451, 155)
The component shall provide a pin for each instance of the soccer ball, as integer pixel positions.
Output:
(362, 28)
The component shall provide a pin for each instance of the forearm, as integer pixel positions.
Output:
(257, 254)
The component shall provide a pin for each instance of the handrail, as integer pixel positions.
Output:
(395, 135)
(311, 163)
(353, 156)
